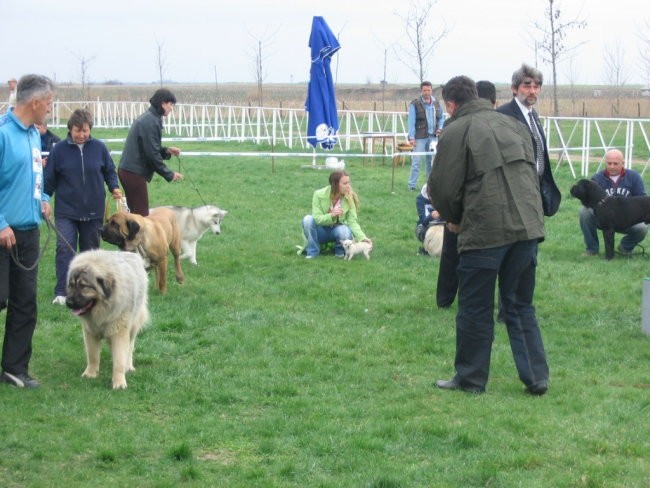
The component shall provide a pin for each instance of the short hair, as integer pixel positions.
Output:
(460, 90)
(527, 71)
(486, 89)
(425, 83)
(33, 86)
(162, 95)
(79, 118)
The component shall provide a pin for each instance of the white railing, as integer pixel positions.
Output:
(575, 140)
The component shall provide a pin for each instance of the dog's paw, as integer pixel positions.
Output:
(119, 384)
(90, 373)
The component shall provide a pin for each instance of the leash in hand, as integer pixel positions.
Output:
(187, 177)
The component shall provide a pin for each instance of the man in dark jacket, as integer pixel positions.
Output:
(526, 84)
(481, 183)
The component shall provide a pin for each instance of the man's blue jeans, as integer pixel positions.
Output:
(633, 235)
(321, 234)
(514, 264)
(421, 145)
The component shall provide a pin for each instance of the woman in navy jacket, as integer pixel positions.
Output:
(76, 172)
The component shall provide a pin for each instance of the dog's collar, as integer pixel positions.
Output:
(603, 200)
(141, 251)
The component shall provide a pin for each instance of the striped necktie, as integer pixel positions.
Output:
(539, 148)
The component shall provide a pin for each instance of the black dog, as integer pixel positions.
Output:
(613, 214)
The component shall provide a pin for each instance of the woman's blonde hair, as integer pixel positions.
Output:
(334, 179)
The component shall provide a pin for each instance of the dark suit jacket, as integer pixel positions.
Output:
(551, 196)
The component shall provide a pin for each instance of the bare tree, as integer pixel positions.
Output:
(553, 46)
(259, 57)
(421, 38)
(84, 64)
(571, 74)
(161, 60)
(616, 72)
(644, 52)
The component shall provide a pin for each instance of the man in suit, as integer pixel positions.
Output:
(526, 85)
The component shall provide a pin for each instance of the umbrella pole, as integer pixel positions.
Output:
(313, 158)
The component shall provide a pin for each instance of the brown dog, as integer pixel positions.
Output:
(151, 237)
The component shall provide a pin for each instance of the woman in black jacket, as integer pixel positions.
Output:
(143, 153)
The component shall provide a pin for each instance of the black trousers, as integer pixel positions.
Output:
(447, 275)
(18, 295)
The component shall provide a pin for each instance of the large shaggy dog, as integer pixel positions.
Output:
(193, 223)
(151, 237)
(107, 290)
(613, 214)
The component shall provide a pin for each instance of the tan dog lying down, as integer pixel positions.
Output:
(352, 248)
(433, 240)
(152, 237)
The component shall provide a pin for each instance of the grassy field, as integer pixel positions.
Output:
(266, 369)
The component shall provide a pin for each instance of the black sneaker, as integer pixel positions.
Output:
(20, 380)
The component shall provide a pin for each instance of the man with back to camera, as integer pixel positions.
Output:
(425, 120)
(484, 183)
(620, 182)
(526, 85)
(22, 202)
(447, 284)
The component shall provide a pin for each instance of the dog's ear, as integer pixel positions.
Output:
(133, 229)
(107, 285)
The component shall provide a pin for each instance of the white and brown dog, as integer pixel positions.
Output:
(352, 248)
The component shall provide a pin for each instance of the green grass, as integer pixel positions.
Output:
(266, 369)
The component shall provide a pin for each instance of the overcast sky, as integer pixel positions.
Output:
(486, 40)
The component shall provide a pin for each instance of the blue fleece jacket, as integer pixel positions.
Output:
(75, 175)
(629, 184)
(21, 174)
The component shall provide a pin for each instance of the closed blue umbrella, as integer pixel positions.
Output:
(323, 123)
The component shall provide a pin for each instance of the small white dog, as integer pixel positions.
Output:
(352, 248)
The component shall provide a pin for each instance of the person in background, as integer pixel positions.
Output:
(427, 215)
(526, 85)
(620, 182)
(22, 203)
(447, 284)
(425, 120)
(75, 176)
(485, 185)
(333, 217)
(11, 101)
(143, 154)
(48, 139)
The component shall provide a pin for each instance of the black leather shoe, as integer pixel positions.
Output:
(452, 384)
(538, 389)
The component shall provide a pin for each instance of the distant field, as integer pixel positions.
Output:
(574, 101)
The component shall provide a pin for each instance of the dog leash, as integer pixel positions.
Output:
(186, 176)
(50, 226)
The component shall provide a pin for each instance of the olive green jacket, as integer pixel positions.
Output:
(484, 179)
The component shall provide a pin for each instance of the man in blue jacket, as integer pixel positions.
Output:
(22, 202)
(620, 182)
